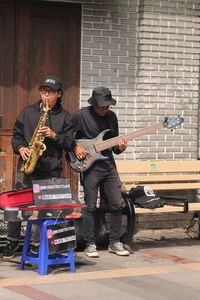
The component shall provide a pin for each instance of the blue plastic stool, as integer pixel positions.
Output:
(43, 259)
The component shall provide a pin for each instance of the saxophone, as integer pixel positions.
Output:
(36, 145)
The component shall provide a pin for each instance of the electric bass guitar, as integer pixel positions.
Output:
(95, 146)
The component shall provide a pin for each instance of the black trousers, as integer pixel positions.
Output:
(102, 174)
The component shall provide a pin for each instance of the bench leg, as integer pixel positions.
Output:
(129, 211)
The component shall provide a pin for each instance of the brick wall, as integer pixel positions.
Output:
(168, 76)
(109, 57)
(147, 53)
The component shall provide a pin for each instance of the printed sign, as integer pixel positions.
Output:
(61, 236)
(53, 191)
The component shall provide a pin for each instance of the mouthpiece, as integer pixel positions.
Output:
(46, 105)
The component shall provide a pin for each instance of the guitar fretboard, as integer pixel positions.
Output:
(129, 136)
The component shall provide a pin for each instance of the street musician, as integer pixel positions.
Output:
(42, 132)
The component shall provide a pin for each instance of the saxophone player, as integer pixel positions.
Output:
(57, 132)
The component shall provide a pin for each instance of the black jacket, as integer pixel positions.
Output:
(59, 120)
(88, 125)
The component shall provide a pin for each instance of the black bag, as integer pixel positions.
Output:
(144, 196)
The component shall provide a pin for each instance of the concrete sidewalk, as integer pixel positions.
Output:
(168, 269)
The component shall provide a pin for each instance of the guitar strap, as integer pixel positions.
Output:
(110, 123)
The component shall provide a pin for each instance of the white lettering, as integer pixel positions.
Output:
(63, 229)
(65, 240)
(59, 196)
(55, 186)
(51, 80)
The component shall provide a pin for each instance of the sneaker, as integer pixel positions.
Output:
(118, 249)
(91, 251)
(10, 248)
(34, 249)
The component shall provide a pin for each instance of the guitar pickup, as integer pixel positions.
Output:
(88, 155)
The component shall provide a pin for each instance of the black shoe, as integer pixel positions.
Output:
(9, 250)
(34, 249)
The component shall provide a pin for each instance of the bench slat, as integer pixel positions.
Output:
(167, 186)
(160, 178)
(166, 208)
(126, 167)
(163, 209)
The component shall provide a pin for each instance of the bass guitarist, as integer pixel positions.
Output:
(89, 122)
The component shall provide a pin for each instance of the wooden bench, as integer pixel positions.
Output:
(161, 176)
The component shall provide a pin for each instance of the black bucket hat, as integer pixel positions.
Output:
(53, 82)
(101, 96)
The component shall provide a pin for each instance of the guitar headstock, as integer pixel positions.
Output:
(170, 122)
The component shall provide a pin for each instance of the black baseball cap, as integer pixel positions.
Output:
(53, 82)
(144, 196)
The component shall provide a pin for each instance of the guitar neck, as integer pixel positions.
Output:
(129, 136)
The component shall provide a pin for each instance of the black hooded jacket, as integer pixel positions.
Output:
(88, 125)
(59, 120)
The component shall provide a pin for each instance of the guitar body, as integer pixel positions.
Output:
(92, 156)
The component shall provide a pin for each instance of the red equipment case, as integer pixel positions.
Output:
(16, 198)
